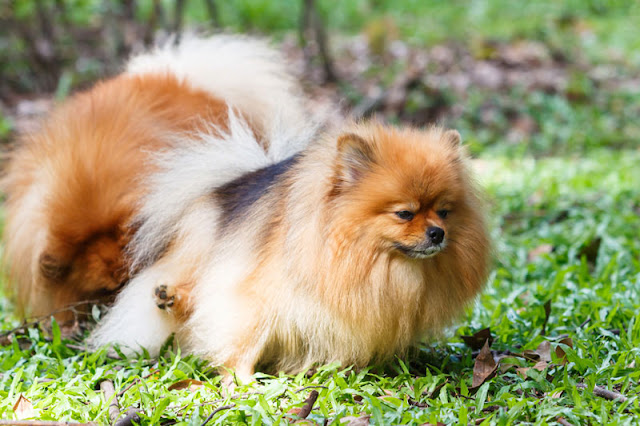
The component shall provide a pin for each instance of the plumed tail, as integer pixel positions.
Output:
(244, 72)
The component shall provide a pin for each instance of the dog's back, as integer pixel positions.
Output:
(74, 185)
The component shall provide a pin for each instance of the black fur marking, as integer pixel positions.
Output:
(236, 197)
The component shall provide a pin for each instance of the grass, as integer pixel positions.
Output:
(565, 205)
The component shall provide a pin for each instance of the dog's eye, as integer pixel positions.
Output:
(405, 215)
(442, 213)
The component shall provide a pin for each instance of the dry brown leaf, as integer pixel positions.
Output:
(294, 411)
(415, 403)
(542, 353)
(506, 366)
(387, 398)
(555, 395)
(477, 339)
(560, 354)
(190, 384)
(484, 368)
(355, 421)
(539, 251)
(540, 366)
(23, 408)
(590, 250)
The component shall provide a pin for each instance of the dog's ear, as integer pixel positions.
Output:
(453, 138)
(53, 268)
(355, 157)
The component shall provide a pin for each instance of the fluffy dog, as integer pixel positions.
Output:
(351, 250)
(258, 239)
(74, 185)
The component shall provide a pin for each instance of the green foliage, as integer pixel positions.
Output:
(563, 202)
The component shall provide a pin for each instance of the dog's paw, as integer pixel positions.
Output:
(164, 296)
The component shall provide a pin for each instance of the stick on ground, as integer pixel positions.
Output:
(217, 410)
(107, 388)
(604, 393)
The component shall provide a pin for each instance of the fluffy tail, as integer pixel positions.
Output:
(244, 72)
(267, 122)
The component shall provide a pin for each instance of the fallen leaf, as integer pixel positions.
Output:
(540, 366)
(555, 395)
(294, 411)
(560, 354)
(6, 340)
(484, 368)
(477, 339)
(542, 353)
(190, 384)
(355, 421)
(418, 404)
(23, 408)
(306, 409)
(506, 363)
(539, 251)
(590, 250)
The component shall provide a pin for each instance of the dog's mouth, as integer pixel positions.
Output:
(420, 252)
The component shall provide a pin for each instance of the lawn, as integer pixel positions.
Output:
(561, 304)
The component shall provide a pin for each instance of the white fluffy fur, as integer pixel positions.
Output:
(243, 71)
(251, 79)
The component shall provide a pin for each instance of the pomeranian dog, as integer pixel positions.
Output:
(260, 239)
(351, 249)
(73, 186)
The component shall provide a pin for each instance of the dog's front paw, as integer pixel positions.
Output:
(164, 296)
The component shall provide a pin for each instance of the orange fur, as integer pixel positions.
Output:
(73, 186)
(330, 272)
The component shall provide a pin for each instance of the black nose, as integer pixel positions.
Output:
(435, 234)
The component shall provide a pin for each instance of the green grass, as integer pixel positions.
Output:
(563, 202)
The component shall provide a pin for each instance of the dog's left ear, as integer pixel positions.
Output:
(453, 138)
(355, 157)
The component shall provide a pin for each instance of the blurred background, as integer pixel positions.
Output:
(516, 78)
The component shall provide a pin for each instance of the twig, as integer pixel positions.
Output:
(129, 418)
(604, 393)
(563, 422)
(106, 386)
(308, 404)
(137, 379)
(224, 407)
(311, 387)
